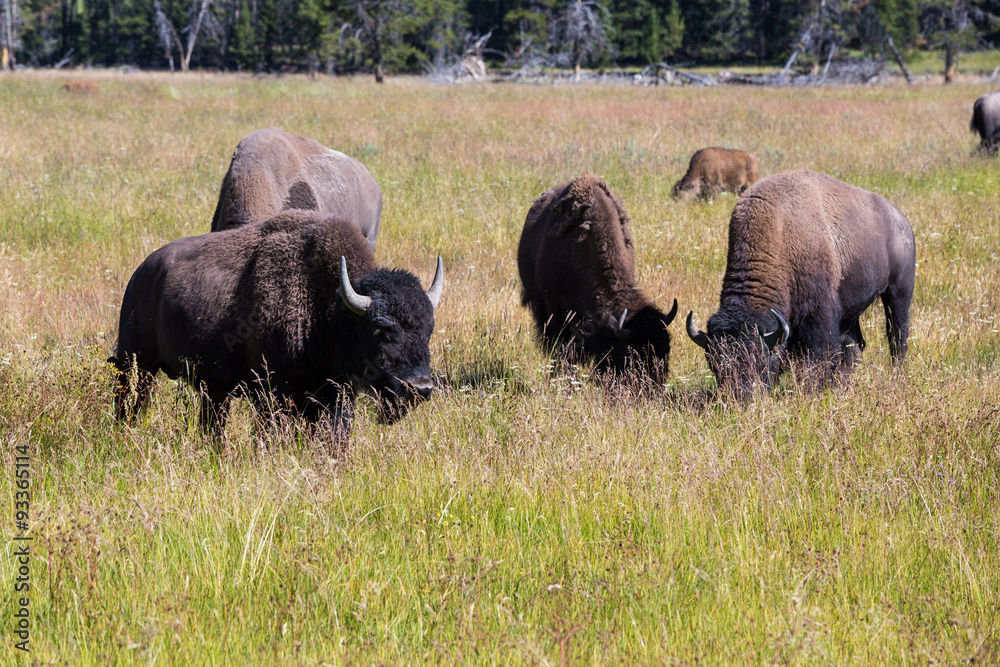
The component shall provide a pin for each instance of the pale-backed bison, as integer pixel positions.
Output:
(986, 121)
(576, 259)
(807, 256)
(273, 171)
(715, 170)
(271, 310)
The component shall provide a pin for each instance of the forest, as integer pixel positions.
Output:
(422, 36)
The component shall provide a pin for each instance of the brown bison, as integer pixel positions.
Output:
(986, 121)
(715, 170)
(273, 171)
(807, 256)
(271, 310)
(80, 86)
(576, 259)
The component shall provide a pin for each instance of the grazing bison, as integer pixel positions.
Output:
(576, 259)
(715, 170)
(270, 310)
(986, 121)
(807, 256)
(273, 171)
(80, 86)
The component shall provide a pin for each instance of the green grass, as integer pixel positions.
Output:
(522, 515)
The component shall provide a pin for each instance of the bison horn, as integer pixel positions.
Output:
(357, 303)
(621, 333)
(779, 335)
(694, 333)
(434, 293)
(671, 315)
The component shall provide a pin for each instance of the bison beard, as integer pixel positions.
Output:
(269, 311)
(806, 248)
(576, 262)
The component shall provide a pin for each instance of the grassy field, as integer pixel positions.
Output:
(520, 516)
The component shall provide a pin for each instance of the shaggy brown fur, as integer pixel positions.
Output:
(80, 86)
(258, 308)
(818, 252)
(576, 259)
(986, 121)
(273, 171)
(715, 170)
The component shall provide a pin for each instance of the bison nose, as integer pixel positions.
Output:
(423, 386)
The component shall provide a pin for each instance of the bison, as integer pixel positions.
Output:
(807, 256)
(80, 86)
(986, 121)
(271, 310)
(576, 260)
(715, 170)
(273, 171)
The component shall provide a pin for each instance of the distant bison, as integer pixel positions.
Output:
(270, 310)
(715, 170)
(807, 256)
(576, 259)
(273, 171)
(80, 86)
(986, 121)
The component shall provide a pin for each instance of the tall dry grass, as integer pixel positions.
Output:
(523, 515)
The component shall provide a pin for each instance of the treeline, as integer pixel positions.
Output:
(421, 35)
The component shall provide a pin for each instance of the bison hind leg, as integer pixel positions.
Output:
(132, 388)
(213, 412)
(896, 302)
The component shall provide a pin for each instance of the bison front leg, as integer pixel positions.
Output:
(333, 412)
(852, 344)
(821, 340)
(132, 388)
(213, 414)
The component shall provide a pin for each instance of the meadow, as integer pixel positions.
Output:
(524, 514)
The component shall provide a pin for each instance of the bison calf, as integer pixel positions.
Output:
(986, 121)
(273, 171)
(272, 310)
(715, 170)
(576, 260)
(80, 86)
(807, 256)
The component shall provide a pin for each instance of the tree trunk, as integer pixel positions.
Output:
(377, 52)
(193, 36)
(899, 59)
(8, 59)
(788, 65)
(949, 62)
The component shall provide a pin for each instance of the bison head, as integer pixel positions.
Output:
(641, 339)
(396, 325)
(743, 355)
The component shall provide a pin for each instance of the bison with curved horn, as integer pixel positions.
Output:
(273, 171)
(807, 256)
(986, 121)
(293, 308)
(576, 260)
